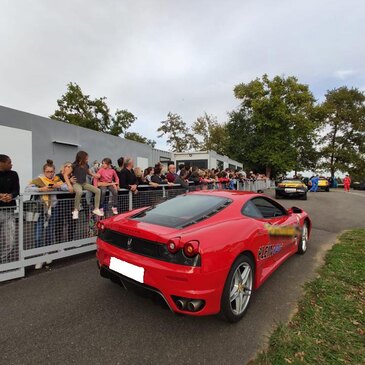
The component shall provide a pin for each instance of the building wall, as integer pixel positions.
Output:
(211, 157)
(60, 142)
(31, 139)
(17, 143)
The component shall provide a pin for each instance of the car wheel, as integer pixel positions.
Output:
(304, 196)
(277, 196)
(303, 242)
(327, 189)
(238, 289)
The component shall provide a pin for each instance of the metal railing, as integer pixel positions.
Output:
(39, 230)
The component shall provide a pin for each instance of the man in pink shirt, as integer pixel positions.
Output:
(108, 180)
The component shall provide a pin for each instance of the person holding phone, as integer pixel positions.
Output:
(66, 226)
(46, 182)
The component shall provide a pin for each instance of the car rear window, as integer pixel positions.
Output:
(183, 210)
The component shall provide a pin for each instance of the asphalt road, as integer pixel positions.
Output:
(70, 315)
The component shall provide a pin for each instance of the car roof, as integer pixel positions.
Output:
(230, 194)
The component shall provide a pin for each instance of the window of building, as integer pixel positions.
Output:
(202, 164)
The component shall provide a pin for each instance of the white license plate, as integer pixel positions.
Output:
(125, 268)
(290, 190)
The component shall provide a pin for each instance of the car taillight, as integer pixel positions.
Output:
(100, 226)
(281, 186)
(191, 248)
(173, 245)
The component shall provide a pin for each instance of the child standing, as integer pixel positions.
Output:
(80, 171)
(108, 180)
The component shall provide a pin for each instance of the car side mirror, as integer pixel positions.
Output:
(294, 210)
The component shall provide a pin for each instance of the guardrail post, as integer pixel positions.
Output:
(21, 229)
(163, 192)
(130, 200)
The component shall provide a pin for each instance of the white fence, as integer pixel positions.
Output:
(32, 235)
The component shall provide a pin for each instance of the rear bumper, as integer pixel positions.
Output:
(170, 281)
(283, 193)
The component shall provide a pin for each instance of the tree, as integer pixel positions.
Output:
(134, 136)
(274, 124)
(213, 136)
(76, 108)
(343, 141)
(178, 135)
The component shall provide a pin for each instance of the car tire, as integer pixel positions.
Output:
(238, 288)
(303, 240)
(327, 189)
(304, 197)
(277, 196)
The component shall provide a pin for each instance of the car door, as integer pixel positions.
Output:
(263, 247)
(280, 224)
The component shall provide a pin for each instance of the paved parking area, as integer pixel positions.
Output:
(69, 315)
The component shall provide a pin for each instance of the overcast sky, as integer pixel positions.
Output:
(152, 57)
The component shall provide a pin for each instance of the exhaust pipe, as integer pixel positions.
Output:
(181, 304)
(195, 305)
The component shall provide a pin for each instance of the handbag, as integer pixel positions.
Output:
(33, 209)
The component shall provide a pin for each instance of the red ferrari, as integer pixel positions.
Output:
(203, 252)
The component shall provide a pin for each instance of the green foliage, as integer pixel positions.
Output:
(213, 135)
(343, 141)
(134, 136)
(275, 125)
(76, 108)
(329, 325)
(178, 135)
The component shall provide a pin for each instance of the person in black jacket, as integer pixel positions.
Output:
(9, 190)
(127, 177)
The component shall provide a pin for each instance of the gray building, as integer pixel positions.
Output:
(207, 160)
(30, 140)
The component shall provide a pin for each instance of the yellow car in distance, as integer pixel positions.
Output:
(323, 184)
(291, 188)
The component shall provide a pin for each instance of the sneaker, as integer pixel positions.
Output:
(38, 266)
(98, 212)
(75, 214)
(115, 210)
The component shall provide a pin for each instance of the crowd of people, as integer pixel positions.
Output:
(97, 181)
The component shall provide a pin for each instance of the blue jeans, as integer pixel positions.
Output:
(45, 236)
(314, 187)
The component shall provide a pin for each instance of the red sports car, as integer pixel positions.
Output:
(203, 252)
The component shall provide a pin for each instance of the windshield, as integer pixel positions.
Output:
(183, 210)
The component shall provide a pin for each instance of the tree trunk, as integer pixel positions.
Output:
(268, 172)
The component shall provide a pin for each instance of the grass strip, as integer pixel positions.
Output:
(329, 327)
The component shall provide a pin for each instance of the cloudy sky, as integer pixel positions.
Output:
(183, 56)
